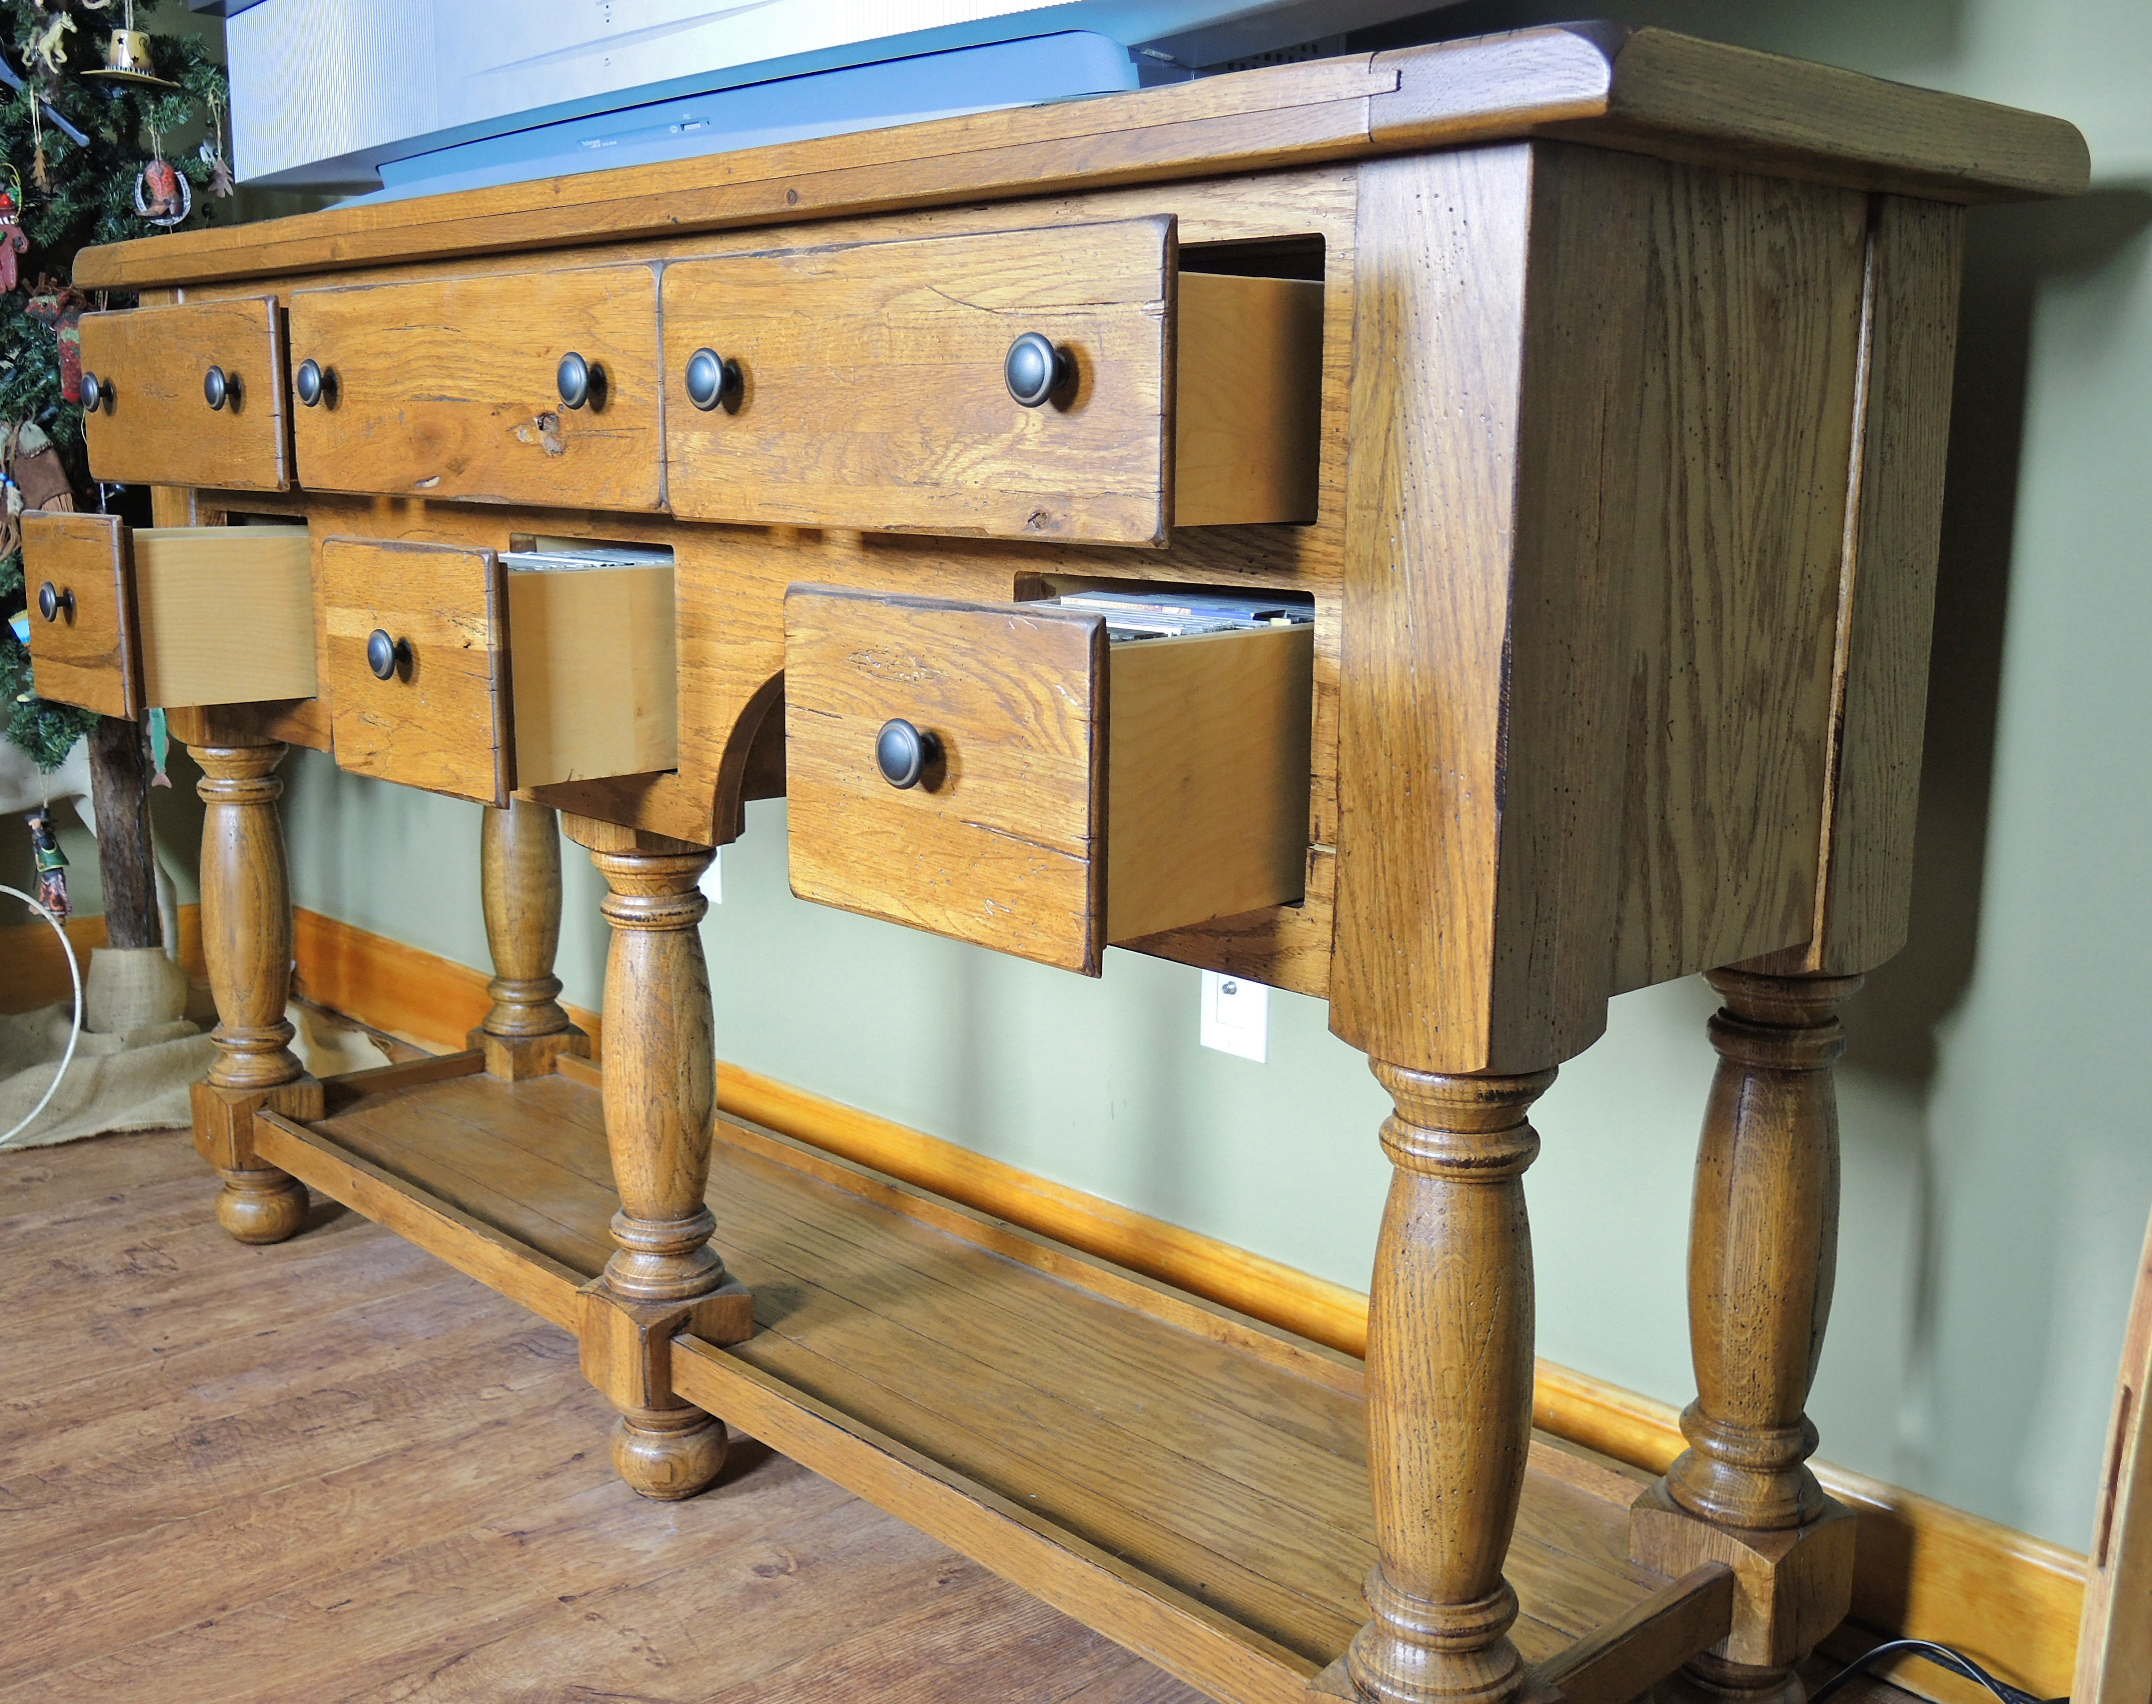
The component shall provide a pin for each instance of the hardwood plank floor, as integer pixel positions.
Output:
(335, 1472)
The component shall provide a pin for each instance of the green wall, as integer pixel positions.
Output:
(1997, 1165)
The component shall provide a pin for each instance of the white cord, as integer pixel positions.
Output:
(74, 1035)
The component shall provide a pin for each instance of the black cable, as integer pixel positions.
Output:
(1940, 1655)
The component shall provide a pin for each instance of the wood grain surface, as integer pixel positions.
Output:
(998, 843)
(1663, 93)
(442, 720)
(871, 389)
(1247, 400)
(339, 1472)
(1219, 1473)
(447, 388)
(2114, 1653)
(160, 427)
(226, 614)
(86, 655)
(597, 674)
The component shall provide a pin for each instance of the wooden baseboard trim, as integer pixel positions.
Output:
(34, 973)
(1925, 1569)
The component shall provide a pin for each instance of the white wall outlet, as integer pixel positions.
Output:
(1236, 1016)
(713, 879)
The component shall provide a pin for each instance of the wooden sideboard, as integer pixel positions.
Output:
(1591, 389)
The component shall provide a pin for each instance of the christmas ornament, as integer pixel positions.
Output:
(61, 307)
(211, 152)
(161, 195)
(13, 244)
(48, 47)
(128, 59)
(51, 864)
(35, 467)
(40, 173)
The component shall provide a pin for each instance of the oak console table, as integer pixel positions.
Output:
(1587, 390)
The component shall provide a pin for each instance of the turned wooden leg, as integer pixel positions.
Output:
(519, 867)
(1449, 1388)
(246, 939)
(660, 1091)
(1763, 1252)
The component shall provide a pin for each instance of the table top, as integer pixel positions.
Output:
(1648, 91)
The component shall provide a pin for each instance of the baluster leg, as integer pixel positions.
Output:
(246, 941)
(1763, 1251)
(660, 1092)
(1449, 1388)
(519, 867)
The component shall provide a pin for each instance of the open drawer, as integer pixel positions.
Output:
(126, 619)
(475, 673)
(187, 395)
(1004, 774)
(1068, 383)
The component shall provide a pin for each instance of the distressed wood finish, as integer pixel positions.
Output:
(912, 336)
(441, 720)
(519, 887)
(86, 653)
(1449, 1364)
(246, 944)
(1648, 90)
(1085, 793)
(1762, 1256)
(661, 1088)
(2114, 1645)
(159, 427)
(447, 388)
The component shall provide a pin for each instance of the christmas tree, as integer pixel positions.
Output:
(89, 110)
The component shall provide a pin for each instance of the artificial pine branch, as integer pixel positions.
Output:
(90, 201)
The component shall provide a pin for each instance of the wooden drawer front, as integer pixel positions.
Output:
(440, 721)
(871, 393)
(84, 654)
(1194, 752)
(450, 388)
(158, 428)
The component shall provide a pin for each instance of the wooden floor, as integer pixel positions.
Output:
(337, 1471)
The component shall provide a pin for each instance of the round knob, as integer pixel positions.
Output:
(220, 387)
(902, 753)
(308, 382)
(1035, 369)
(385, 655)
(52, 602)
(710, 378)
(96, 394)
(575, 380)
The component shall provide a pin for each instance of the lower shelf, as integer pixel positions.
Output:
(1190, 1483)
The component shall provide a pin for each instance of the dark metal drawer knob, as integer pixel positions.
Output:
(220, 387)
(1036, 370)
(902, 753)
(385, 655)
(54, 601)
(96, 394)
(711, 379)
(581, 382)
(310, 382)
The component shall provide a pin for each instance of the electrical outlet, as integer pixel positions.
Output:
(1236, 1016)
(713, 879)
